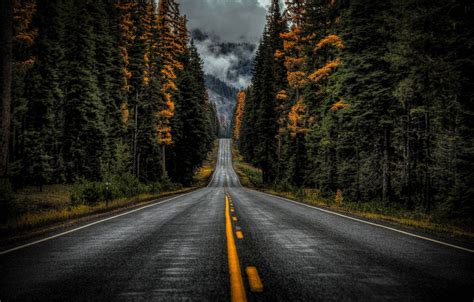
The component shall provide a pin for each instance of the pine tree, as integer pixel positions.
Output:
(84, 110)
(238, 115)
(6, 13)
(191, 124)
(171, 45)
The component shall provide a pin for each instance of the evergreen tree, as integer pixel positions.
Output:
(84, 110)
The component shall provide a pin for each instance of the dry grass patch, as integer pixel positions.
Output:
(67, 211)
(381, 212)
(249, 175)
(203, 174)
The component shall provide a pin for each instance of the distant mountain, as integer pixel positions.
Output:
(228, 68)
(224, 97)
(228, 61)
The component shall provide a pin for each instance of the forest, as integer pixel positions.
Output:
(101, 91)
(369, 100)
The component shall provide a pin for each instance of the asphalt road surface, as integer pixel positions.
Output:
(179, 249)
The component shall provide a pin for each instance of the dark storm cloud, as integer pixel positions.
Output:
(231, 20)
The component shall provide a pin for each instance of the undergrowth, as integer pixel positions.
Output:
(433, 220)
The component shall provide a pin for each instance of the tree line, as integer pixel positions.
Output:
(93, 89)
(372, 98)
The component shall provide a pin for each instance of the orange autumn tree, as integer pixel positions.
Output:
(296, 46)
(239, 114)
(147, 14)
(294, 42)
(24, 34)
(298, 119)
(127, 39)
(172, 39)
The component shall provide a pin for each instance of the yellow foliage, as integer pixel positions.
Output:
(239, 113)
(124, 53)
(23, 33)
(296, 79)
(333, 40)
(146, 78)
(28, 62)
(324, 71)
(168, 72)
(167, 97)
(23, 13)
(170, 106)
(339, 105)
(339, 199)
(169, 85)
(282, 95)
(125, 112)
(127, 73)
(289, 44)
(279, 54)
(164, 135)
(292, 34)
(27, 37)
(297, 123)
(294, 63)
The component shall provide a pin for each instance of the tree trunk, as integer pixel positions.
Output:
(427, 175)
(135, 141)
(386, 167)
(6, 66)
(163, 161)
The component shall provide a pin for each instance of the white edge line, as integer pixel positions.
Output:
(215, 168)
(371, 223)
(91, 224)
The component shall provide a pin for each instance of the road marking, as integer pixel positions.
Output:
(239, 234)
(237, 289)
(215, 168)
(255, 282)
(234, 218)
(91, 224)
(372, 223)
(232, 210)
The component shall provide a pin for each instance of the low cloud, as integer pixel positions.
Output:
(231, 20)
(220, 22)
(229, 62)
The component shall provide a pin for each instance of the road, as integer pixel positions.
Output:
(187, 248)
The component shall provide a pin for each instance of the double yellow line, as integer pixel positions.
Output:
(237, 289)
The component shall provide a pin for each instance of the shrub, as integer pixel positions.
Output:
(85, 191)
(123, 186)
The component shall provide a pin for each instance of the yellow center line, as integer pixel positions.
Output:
(234, 218)
(239, 234)
(255, 282)
(237, 289)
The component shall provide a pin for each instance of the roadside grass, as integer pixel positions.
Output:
(392, 213)
(34, 209)
(203, 174)
(52, 197)
(379, 211)
(67, 211)
(249, 175)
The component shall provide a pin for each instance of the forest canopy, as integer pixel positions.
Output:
(101, 89)
(370, 99)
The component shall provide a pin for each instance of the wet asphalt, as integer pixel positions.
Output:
(176, 250)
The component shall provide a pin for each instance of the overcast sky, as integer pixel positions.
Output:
(231, 20)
